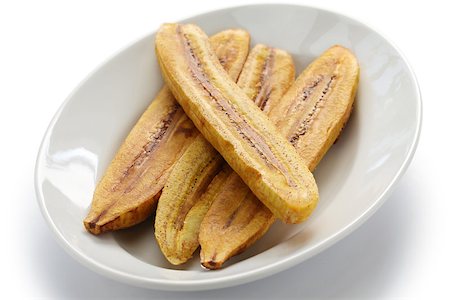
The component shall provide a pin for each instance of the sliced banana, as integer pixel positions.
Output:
(311, 115)
(234, 125)
(187, 195)
(129, 190)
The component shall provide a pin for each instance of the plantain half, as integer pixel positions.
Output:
(132, 183)
(311, 115)
(185, 199)
(233, 124)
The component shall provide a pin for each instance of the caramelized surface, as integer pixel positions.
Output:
(233, 124)
(311, 115)
(131, 185)
(266, 76)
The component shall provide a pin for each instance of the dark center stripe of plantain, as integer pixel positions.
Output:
(265, 87)
(93, 222)
(254, 139)
(154, 141)
(312, 114)
(255, 208)
(302, 97)
(139, 160)
(234, 214)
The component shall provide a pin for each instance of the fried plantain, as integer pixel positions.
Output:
(129, 190)
(233, 124)
(266, 76)
(311, 115)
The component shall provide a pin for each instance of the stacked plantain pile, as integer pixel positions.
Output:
(225, 159)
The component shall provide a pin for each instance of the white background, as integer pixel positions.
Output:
(47, 47)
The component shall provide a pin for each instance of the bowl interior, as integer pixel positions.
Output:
(353, 178)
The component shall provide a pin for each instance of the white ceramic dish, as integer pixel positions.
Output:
(354, 179)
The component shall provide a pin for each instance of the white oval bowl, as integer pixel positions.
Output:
(354, 178)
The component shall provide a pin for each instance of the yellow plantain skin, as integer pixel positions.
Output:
(233, 124)
(266, 76)
(129, 190)
(311, 115)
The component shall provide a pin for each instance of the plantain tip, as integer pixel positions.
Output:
(211, 264)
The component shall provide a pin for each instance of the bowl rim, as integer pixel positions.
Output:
(260, 272)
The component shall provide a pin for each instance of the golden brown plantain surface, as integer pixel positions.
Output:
(266, 76)
(311, 115)
(132, 183)
(233, 124)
